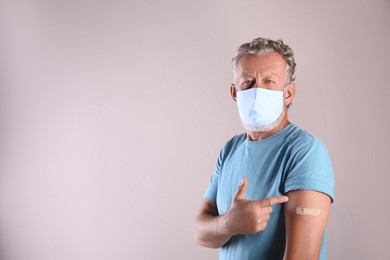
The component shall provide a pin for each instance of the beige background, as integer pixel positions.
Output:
(112, 115)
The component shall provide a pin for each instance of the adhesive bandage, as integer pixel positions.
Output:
(307, 211)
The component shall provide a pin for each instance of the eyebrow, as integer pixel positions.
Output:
(267, 74)
(247, 74)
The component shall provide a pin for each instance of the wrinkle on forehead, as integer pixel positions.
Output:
(264, 65)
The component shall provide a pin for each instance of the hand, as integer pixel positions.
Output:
(249, 216)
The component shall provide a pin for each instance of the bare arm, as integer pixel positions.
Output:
(306, 214)
(210, 229)
(243, 217)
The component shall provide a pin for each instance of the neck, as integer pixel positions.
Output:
(257, 136)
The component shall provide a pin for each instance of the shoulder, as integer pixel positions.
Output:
(230, 146)
(234, 142)
(306, 147)
(300, 139)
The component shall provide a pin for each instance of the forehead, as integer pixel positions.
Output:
(264, 63)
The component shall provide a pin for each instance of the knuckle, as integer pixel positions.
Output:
(266, 202)
(262, 226)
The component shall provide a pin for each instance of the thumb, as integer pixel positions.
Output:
(240, 194)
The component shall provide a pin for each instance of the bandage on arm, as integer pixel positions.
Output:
(308, 211)
(306, 214)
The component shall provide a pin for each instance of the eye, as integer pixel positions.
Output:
(248, 83)
(268, 81)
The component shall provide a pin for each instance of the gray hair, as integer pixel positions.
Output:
(260, 46)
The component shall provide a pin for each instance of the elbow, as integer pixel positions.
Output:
(204, 243)
(209, 245)
(197, 236)
(196, 233)
(201, 238)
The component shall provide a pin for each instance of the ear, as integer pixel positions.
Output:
(289, 94)
(233, 92)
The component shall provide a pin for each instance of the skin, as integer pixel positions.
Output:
(303, 233)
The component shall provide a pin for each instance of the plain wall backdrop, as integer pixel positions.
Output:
(112, 115)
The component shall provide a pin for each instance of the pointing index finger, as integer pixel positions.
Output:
(274, 200)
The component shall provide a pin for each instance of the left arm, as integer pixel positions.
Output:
(306, 214)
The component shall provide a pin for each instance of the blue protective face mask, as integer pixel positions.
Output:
(260, 109)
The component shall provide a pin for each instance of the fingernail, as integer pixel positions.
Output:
(241, 182)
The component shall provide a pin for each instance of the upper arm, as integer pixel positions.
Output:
(304, 232)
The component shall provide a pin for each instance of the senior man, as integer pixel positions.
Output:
(271, 191)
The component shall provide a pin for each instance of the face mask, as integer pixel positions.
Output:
(260, 109)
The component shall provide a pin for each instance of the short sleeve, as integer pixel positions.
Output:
(211, 193)
(310, 168)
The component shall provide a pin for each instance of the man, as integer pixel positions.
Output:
(274, 167)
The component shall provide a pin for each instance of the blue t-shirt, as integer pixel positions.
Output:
(291, 159)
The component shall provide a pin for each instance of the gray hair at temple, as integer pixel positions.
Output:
(260, 46)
